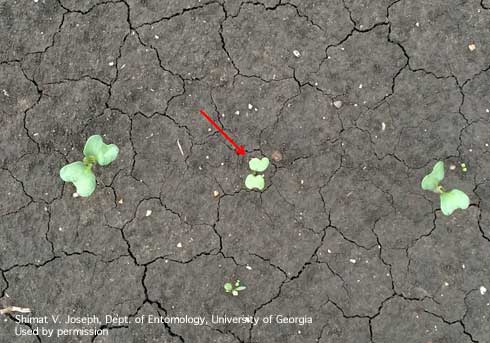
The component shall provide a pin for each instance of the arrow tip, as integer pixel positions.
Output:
(240, 150)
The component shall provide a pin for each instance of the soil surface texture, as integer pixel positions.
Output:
(353, 102)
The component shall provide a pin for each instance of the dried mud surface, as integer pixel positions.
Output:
(342, 233)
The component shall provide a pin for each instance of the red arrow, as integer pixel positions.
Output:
(239, 149)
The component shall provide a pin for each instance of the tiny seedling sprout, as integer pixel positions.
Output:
(80, 173)
(255, 180)
(234, 289)
(450, 200)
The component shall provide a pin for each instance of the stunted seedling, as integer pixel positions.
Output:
(450, 200)
(80, 173)
(234, 289)
(255, 180)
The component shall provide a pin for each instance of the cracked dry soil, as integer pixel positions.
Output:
(342, 233)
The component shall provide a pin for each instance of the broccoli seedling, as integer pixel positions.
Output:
(450, 200)
(234, 289)
(80, 173)
(257, 166)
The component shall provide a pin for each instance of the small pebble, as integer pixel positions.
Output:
(75, 195)
(296, 53)
(148, 213)
(452, 167)
(472, 47)
(250, 106)
(179, 245)
(383, 126)
(352, 260)
(483, 290)
(111, 64)
(248, 267)
(276, 156)
(215, 194)
(337, 103)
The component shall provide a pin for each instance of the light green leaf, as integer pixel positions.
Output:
(431, 181)
(255, 181)
(452, 200)
(103, 153)
(81, 176)
(234, 292)
(228, 287)
(258, 165)
(240, 288)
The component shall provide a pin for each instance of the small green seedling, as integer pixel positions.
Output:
(464, 168)
(80, 173)
(257, 165)
(229, 288)
(450, 200)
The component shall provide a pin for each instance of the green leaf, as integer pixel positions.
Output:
(452, 200)
(255, 181)
(258, 165)
(103, 153)
(240, 288)
(431, 181)
(81, 176)
(228, 287)
(234, 292)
